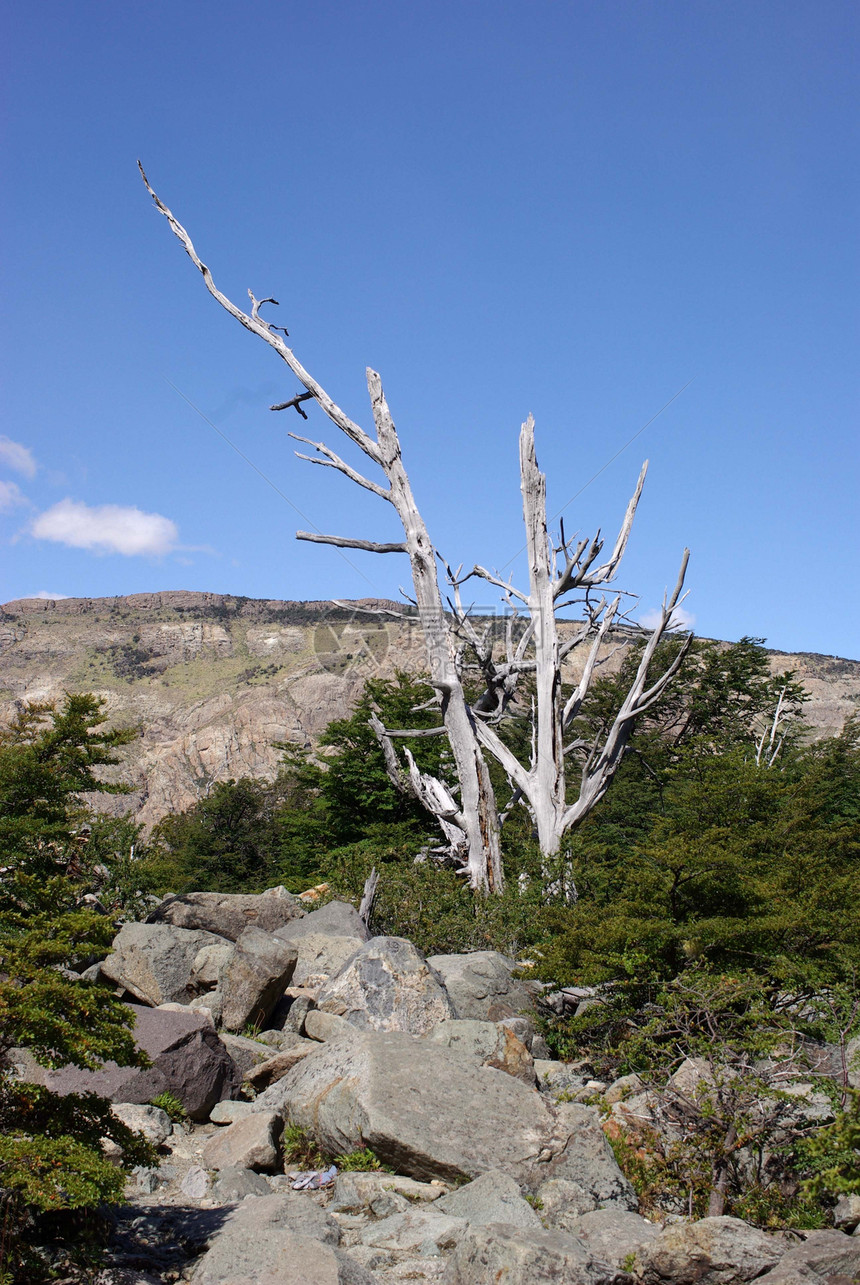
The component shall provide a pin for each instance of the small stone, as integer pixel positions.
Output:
(387, 1203)
(228, 1112)
(623, 1087)
(325, 1027)
(493, 1198)
(195, 1184)
(234, 1184)
(846, 1214)
(146, 1180)
(275, 1068)
(298, 1011)
(250, 1143)
(151, 1121)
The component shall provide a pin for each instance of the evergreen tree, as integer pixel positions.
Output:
(51, 1159)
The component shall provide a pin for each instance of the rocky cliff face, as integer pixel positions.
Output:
(214, 681)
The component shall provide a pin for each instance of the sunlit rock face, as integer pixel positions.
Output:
(215, 681)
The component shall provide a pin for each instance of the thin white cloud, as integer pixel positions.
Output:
(17, 457)
(107, 528)
(47, 597)
(10, 496)
(681, 618)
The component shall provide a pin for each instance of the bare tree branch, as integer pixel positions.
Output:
(295, 403)
(258, 327)
(341, 542)
(332, 460)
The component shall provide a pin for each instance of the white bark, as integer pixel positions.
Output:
(472, 827)
(454, 644)
(545, 785)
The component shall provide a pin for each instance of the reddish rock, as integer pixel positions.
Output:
(188, 1060)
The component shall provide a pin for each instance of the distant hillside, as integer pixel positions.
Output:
(213, 681)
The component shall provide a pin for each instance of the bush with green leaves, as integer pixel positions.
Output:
(52, 1164)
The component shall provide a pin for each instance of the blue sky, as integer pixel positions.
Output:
(571, 209)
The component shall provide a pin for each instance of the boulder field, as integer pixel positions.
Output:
(264, 1019)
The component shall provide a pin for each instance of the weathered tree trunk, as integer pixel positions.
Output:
(478, 815)
(544, 785)
(471, 824)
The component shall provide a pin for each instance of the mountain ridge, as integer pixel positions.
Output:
(214, 681)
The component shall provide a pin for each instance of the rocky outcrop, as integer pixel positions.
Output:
(254, 978)
(614, 1235)
(712, 1251)
(487, 1044)
(493, 1198)
(324, 940)
(214, 681)
(229, 914)
(279, 1238)
(523, 1256)
(156, 962)
(432, 1114)
(491, 1171)
(481, 985)
(388, 985)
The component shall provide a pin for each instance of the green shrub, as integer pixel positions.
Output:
(172, 1107)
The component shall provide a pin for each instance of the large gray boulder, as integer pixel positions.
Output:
(324, 940)
(251, 1143)
(432, 1114)
(229, 913)
(822, 1256)
(420, 1231)
(523, 1256)
(495, 1197)
(151, 1121)
(488, 1044)
(155, 962)
(712, 1251)
(388, 986)
(254, 978)
(481, 986)
(589, 1178)
(614, 1235)
(278, 1240)
(188, 1060)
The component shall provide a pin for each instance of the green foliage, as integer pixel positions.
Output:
(119, 862)
(431, 905)
(701, 853)
(48, 757)
(171, 1106)
(735, 1140)
(362, 1160)
(247, 835)
(226, 843)
(51, 1156)
(301, 1152)
(832, 1155)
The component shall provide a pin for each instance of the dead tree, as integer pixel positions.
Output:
(560, 577)
(471, 823)
(457, 646)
